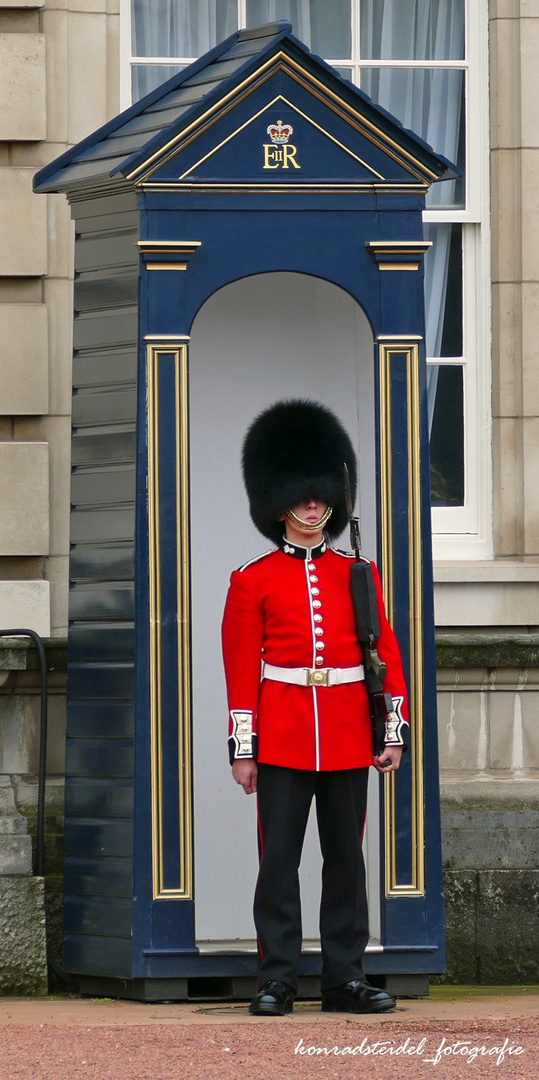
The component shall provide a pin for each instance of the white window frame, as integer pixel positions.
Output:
(125, 54)
(459, 532)
(465, 532)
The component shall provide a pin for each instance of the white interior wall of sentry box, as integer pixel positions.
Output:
(262, 338)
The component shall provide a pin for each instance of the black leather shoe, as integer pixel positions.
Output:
(357, 997)
(273, 999)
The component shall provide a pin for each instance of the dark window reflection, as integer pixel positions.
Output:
(443, 290)
(447, 435)
(452, 327)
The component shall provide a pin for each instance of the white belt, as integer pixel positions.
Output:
(301, 676)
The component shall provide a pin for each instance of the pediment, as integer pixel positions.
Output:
(285, 127)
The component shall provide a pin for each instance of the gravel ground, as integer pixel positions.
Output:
(470, 1035)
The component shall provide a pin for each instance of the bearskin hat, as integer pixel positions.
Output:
(292, 452)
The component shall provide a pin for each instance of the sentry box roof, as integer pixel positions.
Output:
(215, 127)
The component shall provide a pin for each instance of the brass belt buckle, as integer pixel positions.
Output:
(318, 678)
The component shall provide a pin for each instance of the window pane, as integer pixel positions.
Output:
(325, 27)
(346, 72)
(146, 77)
(412, 29)
(180, 27)
(430, 103)
(443, 290)
(445, 387)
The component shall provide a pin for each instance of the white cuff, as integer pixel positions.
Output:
(395, 724)
(242, 732)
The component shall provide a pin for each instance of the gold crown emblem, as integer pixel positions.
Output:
(279, 132)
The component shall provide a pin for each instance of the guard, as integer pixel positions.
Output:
(300, 717)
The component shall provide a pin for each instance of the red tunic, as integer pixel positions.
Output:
(292, 608)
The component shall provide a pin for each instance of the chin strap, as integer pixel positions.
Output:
(308, 526)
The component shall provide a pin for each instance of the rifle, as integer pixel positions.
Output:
(368, 629)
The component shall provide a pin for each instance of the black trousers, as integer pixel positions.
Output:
(284, 800)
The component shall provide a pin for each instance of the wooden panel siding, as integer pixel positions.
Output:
(98, 917)
(102, 562)
(99, 752)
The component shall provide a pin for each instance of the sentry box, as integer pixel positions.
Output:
(250, 230)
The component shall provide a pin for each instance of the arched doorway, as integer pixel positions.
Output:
(261, 338)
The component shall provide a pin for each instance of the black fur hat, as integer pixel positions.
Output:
(292, 452)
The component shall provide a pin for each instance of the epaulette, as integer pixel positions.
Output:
(256, 559)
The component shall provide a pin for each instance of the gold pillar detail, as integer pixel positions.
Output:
(408, 351)
(398, 254)
(175, 353)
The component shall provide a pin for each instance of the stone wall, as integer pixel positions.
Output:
(514, 43)
(488, 703)
(25, 900)
(60, 80)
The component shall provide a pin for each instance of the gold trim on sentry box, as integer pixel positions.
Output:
(401, 338)
(390, 254)
(167, 266)
(156, 355)
(270, 105)
(403, 347)
(167, 337)
(395, 266)
(380, 137)
(162, 247)
(150, 250)
(410, 246)
(292, 187)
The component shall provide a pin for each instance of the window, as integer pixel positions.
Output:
(426, 62)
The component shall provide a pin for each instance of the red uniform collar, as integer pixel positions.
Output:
(297, 551)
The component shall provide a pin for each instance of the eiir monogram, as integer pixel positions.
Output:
(279, 153)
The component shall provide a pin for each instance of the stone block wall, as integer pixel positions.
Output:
(30, 907)
(514, 142)
(491, 927)
(488, 703)
(60, 80)
(23, 964)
